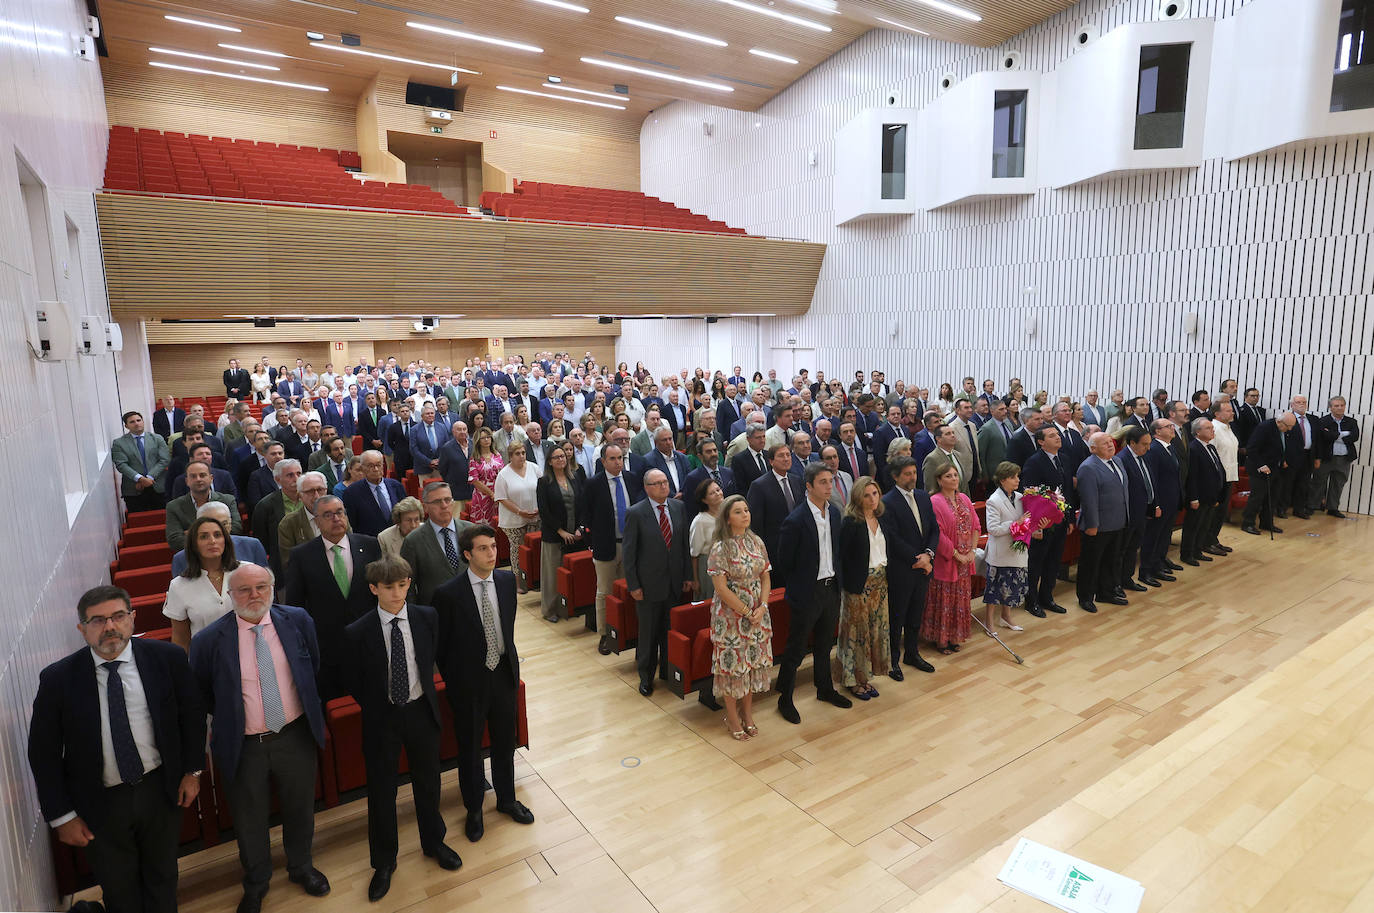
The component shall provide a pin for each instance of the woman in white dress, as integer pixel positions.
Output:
(197, 596)
(702, 534)
(517, 497)
(262, 383)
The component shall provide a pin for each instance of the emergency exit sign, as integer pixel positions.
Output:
(436, 129)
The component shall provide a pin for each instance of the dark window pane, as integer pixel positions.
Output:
(894, 161)
(1009, 133)
(1162, 96)
(1352, 83)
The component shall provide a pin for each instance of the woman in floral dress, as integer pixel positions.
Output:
(483, 468)
(950, 598)
(741, 629)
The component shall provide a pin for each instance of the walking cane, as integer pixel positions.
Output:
(993, 634)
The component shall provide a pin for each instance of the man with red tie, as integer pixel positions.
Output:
(657, 570)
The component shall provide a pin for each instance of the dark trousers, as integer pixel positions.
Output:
(134, 853)
(147, 499)
(1131, 537)
(413, 727)
(1196, 522)
(1154, 544)
(1219, 514)
(1329, 483)
(1261, 503)
(651, 649)
(1293, 486)
(1097, 564)
(288, 759)
(906, 607)
(490, 705)
(817, 620)
(1042, 564)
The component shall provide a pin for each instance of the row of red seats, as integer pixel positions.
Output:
(567, 203)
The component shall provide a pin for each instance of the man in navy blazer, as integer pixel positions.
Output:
(853, 457)
(338, 414)
(912, 534)
(169, 419)
(1204, 488)
(291, 390)
(813, 576)
(670, 462)
(1140, 494)
(1102, 514)
(121, 799)
(603, 513)
(772, 498)
(885, 434)
(370, 499)
(657, 571)
(710, 468)
(1163, 466)
(255, 668)
(1043, 467)
(727, 410)
(425, 440)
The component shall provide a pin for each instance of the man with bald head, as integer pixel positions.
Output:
(657, 571)
(1103, 513)
(1265, 460)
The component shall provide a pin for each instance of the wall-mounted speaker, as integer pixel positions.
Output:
(1032, 324)
(604, 320)
(1190, 323)
(893, 99)
(712, 319)
(1173, 9)
(946, 82)
(707, 128)
(1084, 36)
(1012, 60)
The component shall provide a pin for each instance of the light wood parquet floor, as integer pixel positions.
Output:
(1212, 740)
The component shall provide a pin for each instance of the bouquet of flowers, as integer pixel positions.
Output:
(1042, 503)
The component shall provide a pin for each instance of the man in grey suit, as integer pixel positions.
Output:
(657, 570)
(1101, 517)
(844, 482)
(993, 438)
(181, 512)
(432, 547)
(141, 458)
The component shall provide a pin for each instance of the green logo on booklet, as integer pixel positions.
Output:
(1074, 883)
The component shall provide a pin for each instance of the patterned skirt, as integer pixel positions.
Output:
(863, 646)
(947, 611)
(1006, 586)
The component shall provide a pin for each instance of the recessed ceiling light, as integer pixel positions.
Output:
(757, 52)
(380, 56)
(549, 85)
(823, 6)
(765, 11)
(247, 50)
(315, 36)
(898, 25)
(549, 79)
(715, 86)
(652, 26)
(564, 6)
(231, 62)
(578, 101)
(471, 36)
(273, 82)
(953, 10)
(325, 6)
(203, 23)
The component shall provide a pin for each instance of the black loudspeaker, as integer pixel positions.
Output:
(712, 319)
(604, 320)
(264, 322)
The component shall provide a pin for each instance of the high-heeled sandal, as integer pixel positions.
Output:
(1009, 626)
(740, 736)
(751, 729)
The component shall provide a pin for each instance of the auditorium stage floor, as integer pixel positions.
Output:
(1212, 740)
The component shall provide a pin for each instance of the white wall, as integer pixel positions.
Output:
(56, 421)
(1272, 252)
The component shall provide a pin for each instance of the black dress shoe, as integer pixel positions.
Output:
(1118, 591)
(1225, 548)
(1303, 514)
(1250, 529)
(836, 698)
(1135, 587)
(1113, 599)
(473, 828)
(1193, 562)
(251, 901)
(1199, 556)
(919, 663)
(1165, 575)
(1035, 610)
(313, 881)
(380, 883)
(1087, 606)
(788, 710)
(896, 675)
(1215, 550)
(1281, 514)
(1150, 581)
(1055, 607)
(646, 688)
(1271, 528)
(1171, 566)
(517, 812)
(1335, 513)
(447, 858)
(604, 646)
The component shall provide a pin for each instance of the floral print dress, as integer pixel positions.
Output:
(742, 651)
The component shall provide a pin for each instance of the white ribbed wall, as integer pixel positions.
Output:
(54, 117)
(1272, 252)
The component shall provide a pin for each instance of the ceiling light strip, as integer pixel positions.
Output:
(380, 56)
(765, 11)
(898, 25)
(781, 58)
(560, 86)
(212, 59)
(821, 6)
(248, 50)
(655, 27)
(202, 23)
(564, 6)
(578, 101)
(472, 36)
(714, 86)
(272, 82)
(951, 9)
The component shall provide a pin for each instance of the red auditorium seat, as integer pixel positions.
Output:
(565, 203)
(689, 641)
(529, 556)
(577, 585)
(622, 622)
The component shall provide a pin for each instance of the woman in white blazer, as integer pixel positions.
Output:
(1006, 584)
(1228, 447)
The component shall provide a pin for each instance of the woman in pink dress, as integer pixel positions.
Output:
(950, 598)
(483, 468)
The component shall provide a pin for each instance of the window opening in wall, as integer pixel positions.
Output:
(1352, 82)
(1162, 96)
(894, 161)
(1009, 133)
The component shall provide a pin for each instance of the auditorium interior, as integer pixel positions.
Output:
(1078, 199)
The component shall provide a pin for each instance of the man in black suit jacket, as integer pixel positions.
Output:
(313, 582)
(1206, 479)
(238, 384)
(169, 419)
(912, 537)
(658, 571)
(887, 432)
(751, 462)
(481, 670)
(1264, 460)
(771, 499)
(710, 468)
(398, 436)
(1162, 463)
(366, 423)
(853, 458)
(1337, 434)
(727, 411)
(1301, 453)
(606, 499)
(1022, 443)
(1249, 414)
(120, 799)
(365, 512)
(453, 465)
(810, 562)
(1140, 506)
(391, 653)
(1044, 467)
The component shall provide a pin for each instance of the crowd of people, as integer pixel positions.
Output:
(859, 499)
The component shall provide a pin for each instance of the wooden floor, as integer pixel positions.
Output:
(1214, 740)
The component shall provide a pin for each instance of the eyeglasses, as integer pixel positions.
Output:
(100, 621)
(659, 482)
(333, 514)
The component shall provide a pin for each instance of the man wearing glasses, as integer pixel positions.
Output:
(116, 745)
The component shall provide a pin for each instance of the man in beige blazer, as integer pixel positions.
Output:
(299, 527)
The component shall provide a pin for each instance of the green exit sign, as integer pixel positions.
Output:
(436, 129)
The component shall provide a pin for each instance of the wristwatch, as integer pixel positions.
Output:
(194, 773)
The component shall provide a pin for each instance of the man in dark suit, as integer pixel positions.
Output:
(338, 414)
(238, 383)
(1249, 414)
(327, 577)
(169, 419)
(370, 499)
(1044, 468)
(181, 512)
(1102, 515)
(120, 796)
(268, 726)
(366, 424)
(221, 480)
(1301, 449)
(398, 437)
(1074, 450)
(727, 410)
(1336, 451)
(1206, 479)
(772, 498)
(261, 481)
(1140, 502)
(912, 534)
(481, 670)
(272, 509)
(670, 462)
(1202, 404)
(751, 462)
(707, 454)
(658, 571)
(606, 499)
(427, 436)
(854, 459)
(290, 389)
(1022, 444)
(431, 549)
(810, 563)
(886, 433)
(454, 463)
(1179, 413)
(1162, 464)
(391, 653)
(1264, 459)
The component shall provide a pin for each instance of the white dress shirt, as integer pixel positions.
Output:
(477, 583)
(347, 554)
(140, 720)
(822, 517)
(408, 640)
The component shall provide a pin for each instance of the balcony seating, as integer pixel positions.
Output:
(565, 203)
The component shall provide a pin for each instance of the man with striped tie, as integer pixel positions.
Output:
(255, 668)
(657, 571)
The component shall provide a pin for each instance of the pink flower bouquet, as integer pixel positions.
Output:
(1041, 502)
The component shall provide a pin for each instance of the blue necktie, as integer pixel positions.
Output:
(142, 453)
(433, 445)
(121, 733)
(619, 507)
(272, 713)
(382, 501)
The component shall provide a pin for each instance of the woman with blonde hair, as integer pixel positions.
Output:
(741, 628)
(483, 467)
(950, 597)
(863, 647)
(517, 498)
